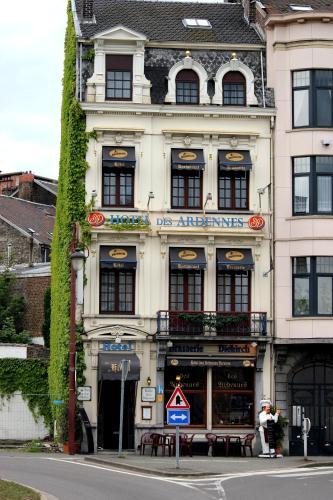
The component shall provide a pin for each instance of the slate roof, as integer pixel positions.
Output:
(282, 6)
(26, 214)
(162, 21)
(49, 186)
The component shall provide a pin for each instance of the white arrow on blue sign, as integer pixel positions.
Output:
(178, 417)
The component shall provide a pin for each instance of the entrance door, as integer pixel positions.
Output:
(109, 412)
(312, 388)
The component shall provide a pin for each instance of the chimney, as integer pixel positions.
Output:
(88, 10)
(26, 186)
(249, 7)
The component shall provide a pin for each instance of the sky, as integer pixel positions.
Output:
(32, 36)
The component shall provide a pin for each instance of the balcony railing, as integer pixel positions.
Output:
(211, 323)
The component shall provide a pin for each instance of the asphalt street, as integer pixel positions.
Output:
(72, 479)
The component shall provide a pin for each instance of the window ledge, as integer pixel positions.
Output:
(312, 318)
(210, 212)
(308, 129)
(311, 216)
(116, 209)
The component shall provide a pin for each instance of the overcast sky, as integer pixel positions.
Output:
(31, 66)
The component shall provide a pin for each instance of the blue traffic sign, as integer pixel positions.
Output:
(178, 417)
(58, 401)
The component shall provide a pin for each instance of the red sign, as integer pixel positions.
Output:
(96, 219)
(256, 222)
(177, 400)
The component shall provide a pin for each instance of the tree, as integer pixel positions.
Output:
(12, 307)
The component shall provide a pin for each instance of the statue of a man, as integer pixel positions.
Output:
(266, 416)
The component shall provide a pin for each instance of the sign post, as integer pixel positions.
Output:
(306, 430)
(178, 410)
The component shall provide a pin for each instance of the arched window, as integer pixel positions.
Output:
(234, 89)
(187, 87)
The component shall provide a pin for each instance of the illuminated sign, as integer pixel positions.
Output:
(118, 253)
(187, 156)
(234, 156)
(118, 153)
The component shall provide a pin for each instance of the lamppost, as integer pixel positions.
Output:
(77, 260)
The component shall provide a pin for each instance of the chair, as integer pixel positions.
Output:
(212, 440)
(185, 444)
(246, 442)
(160, 441)
(146, 440)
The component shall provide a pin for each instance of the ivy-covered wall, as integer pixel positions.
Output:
(70, 209)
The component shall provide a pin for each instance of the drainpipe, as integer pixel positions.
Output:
(272, 176)
(80, 72)
(262, 81)
(31, 246)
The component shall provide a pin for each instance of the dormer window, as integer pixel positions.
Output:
(187, 87)
(119, 69)
(197, 23)
(234, 89)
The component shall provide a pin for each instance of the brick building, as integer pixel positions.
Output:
(30, 187)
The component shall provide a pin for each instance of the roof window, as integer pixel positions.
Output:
(197, 23)
(301, 8)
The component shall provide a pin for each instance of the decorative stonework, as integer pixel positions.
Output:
(235, 65)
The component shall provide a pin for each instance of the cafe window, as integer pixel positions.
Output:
(233, 190)
(313, 185)
(187, 87)
(119, 77)
(232, 396)
(193, 384)
(312, 286)
(312, 98)
(234, 89)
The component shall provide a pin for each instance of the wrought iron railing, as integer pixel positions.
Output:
(211, 323)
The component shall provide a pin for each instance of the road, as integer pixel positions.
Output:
(72, 479)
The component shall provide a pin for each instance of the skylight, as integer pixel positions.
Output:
(301, 8)
(197, 23)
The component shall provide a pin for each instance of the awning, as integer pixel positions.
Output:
(187, 159)
(234, 259)
(109, 366)
(235, 160)
(115, 156)
(187, 258)
(118, 257)
(211, 362)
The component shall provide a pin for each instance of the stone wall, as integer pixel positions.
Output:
(20, 246)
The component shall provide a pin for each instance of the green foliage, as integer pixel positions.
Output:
(12, 305)
(35, 447)
(13, 491)
(89, 55)
(30, 377)
(70, 209)
(129, 227)
(8, 333)
(47, 317)
(212, 321)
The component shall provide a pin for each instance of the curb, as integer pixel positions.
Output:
(43, 495)
(151, 472)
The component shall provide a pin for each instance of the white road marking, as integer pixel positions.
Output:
(302, 475)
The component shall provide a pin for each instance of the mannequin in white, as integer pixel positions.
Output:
(264, 416)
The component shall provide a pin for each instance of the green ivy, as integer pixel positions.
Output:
(47, 317)
(30, 377)
(70, 209)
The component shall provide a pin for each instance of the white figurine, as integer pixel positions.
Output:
(264, 416)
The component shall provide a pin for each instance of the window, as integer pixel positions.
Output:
(186, 291)
(117, 294)
(312, 185)
(197, 23)
(186, 189)
(187, 87)
(118, 187)
(234, 89)
(233, 291)
(119, 77)
(233, 190)
(312, 286)
(313, 98)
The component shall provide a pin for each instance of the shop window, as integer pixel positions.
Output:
(312, 286)
(193, 383)
(187, 87)
(312, 185)
(186, 189)
(118, 187)
(117, 291)
(234, 89)
(312, 98)
(233, 190)
(119, 77)
(232, 396)
(233, 291)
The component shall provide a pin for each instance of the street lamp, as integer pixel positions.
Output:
(77, 260)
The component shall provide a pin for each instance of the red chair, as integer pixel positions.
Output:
(246, 442)
(160, 441)
(185, 444)
(146, 440)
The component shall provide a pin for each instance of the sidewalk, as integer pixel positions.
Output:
(198, 466)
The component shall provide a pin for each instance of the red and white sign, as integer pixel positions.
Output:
(177, 400)
(256, 222)
(96, 219)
